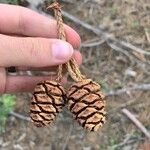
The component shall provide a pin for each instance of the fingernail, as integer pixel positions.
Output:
(61, 50)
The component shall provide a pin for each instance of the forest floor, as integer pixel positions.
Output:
(114, 68)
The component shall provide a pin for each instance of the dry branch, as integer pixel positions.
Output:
(68, 1)
(147, 36)
(122, 44)
(141, 87)
(136, 122)
(93, 44)
(126, 142)
(19, 116)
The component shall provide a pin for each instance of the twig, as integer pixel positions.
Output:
(93, 44)
(68, 1)
(127, 46)
(124, 143)
(147, 36)
(141, 87)
(136, 122)
(119, 49)
(106, 36)
(19, 116)
(97, 31)
(68, 137)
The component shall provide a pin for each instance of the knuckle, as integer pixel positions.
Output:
(33, 48)
(21, 21)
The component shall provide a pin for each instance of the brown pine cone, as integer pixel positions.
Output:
(87, 104)
(48, 100)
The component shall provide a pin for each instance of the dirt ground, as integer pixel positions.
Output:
(125, 20)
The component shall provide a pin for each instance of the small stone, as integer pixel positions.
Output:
(87, 148)
(1, 141)
(130, 72)
(117, 22)
(18, 147)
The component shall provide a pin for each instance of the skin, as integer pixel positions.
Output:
(29, 41)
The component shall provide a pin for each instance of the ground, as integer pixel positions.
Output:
(125, 20)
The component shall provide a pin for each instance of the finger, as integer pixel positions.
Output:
(16, 84)
(20, 20)
(76, 55)
(33, 52)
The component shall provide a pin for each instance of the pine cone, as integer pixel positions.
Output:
(87, 104)
(48, 100)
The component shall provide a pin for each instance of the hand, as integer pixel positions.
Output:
(29, 41)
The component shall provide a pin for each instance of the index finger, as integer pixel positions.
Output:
(20, 20)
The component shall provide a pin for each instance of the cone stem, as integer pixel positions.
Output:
(71, 65)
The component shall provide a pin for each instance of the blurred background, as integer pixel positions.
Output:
(116, 53)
